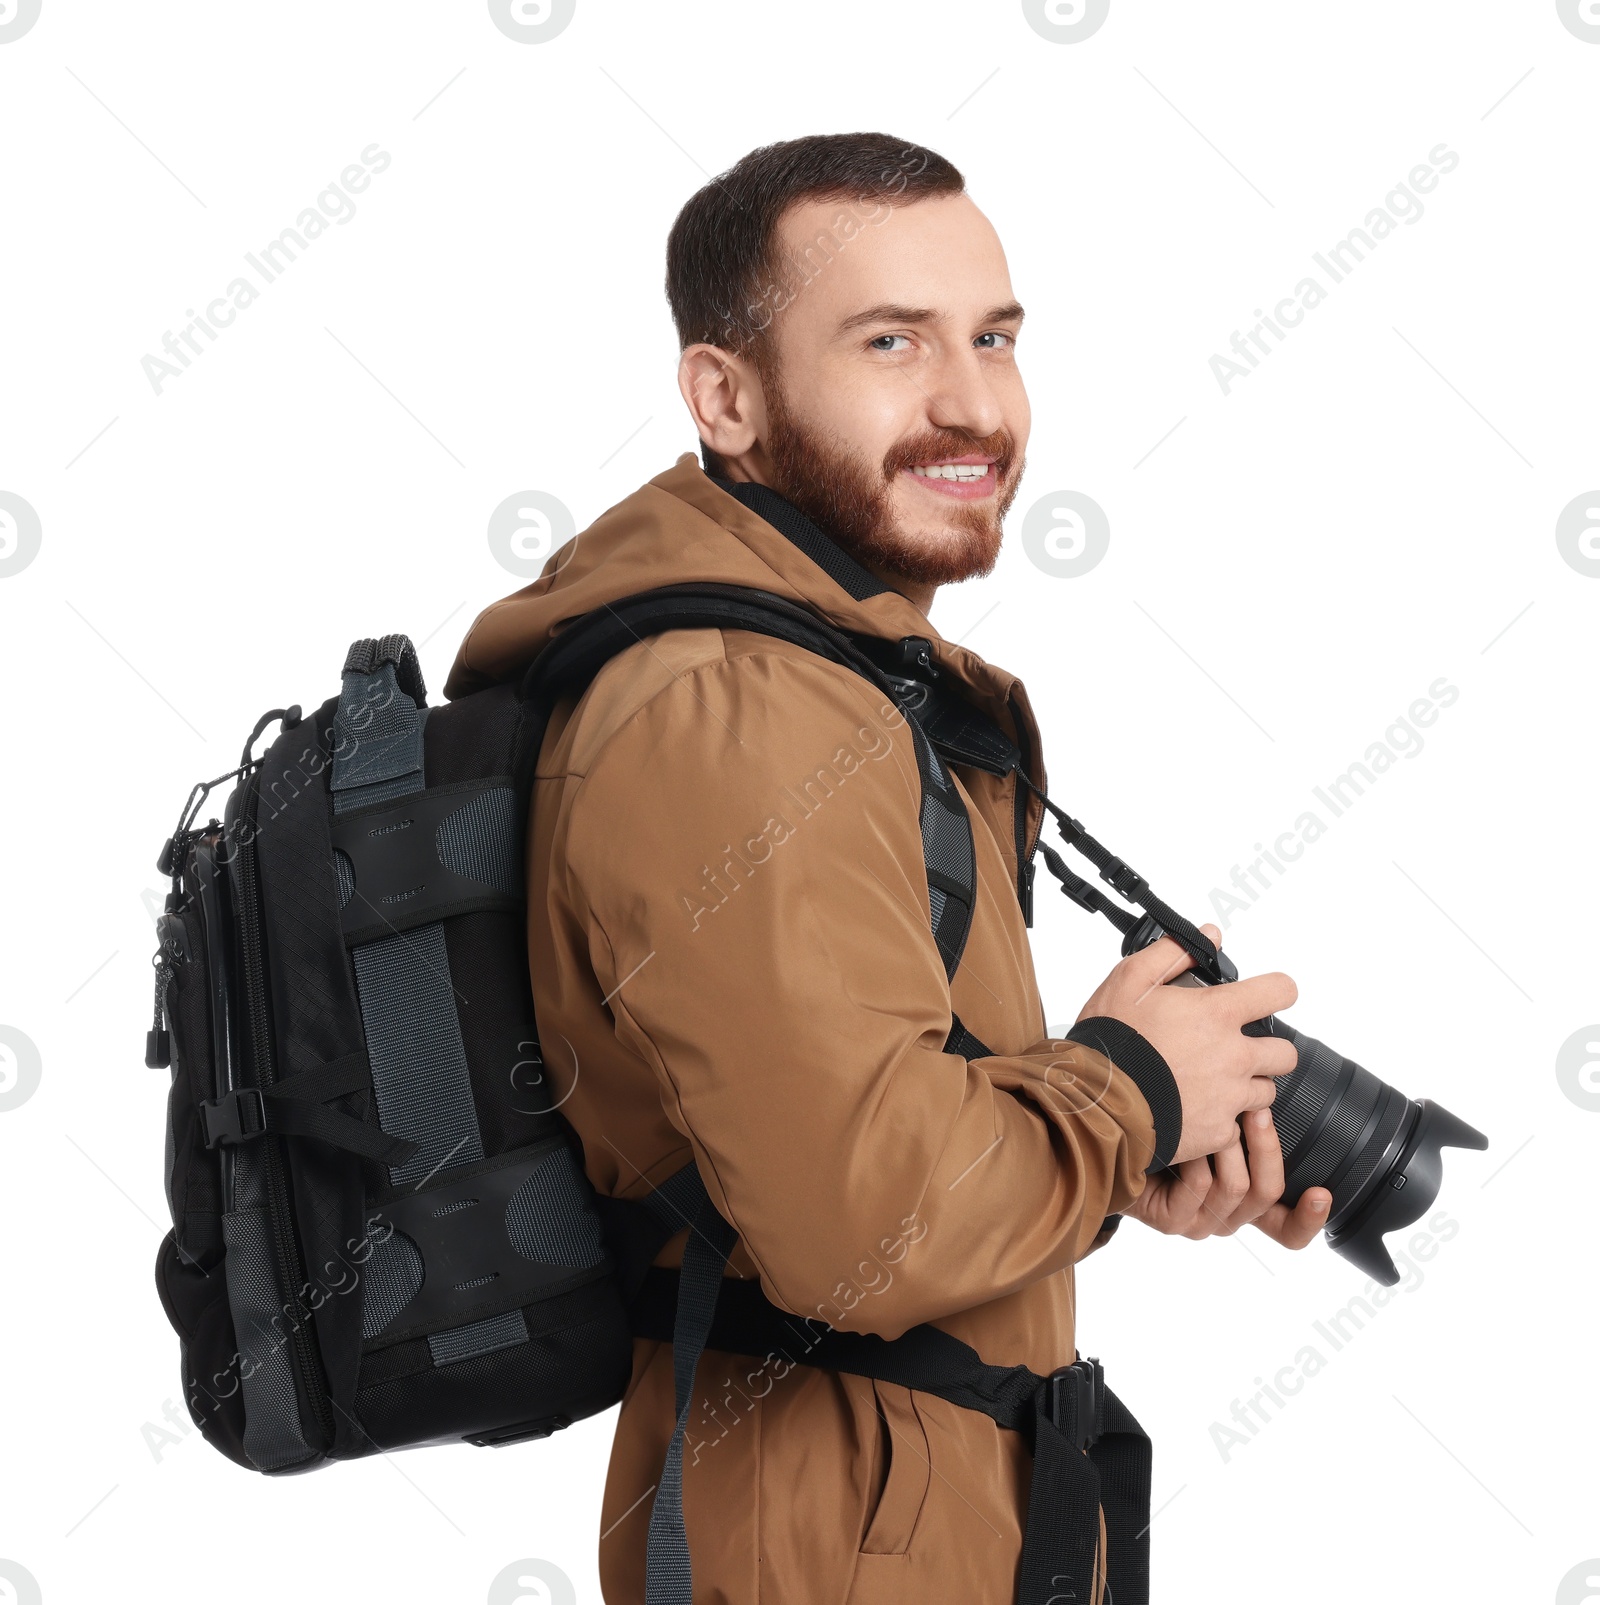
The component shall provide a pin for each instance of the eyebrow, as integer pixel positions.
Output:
(895, 312)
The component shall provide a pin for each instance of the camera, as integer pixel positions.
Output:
(1376, 1150)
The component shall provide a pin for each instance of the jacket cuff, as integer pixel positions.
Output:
(1137, 1057)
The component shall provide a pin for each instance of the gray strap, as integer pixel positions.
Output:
(668, 1575)
(678, 1199)
(403, 985)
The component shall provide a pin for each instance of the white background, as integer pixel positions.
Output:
(1291, 566)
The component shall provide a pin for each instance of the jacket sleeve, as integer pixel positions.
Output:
(745, 854)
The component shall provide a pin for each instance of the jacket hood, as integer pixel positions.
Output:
(681, 527)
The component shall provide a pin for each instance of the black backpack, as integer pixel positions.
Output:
(382, 1234)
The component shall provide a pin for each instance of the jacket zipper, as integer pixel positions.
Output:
(257, 1035)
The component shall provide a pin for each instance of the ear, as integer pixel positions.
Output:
(724, 396)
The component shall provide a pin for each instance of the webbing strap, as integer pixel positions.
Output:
(962, 1041)
(403, 984)
(1068, 1490)
(669, 1577)
(297, 1106)
(1060, 1414)
(1123, 880)
(574, 657)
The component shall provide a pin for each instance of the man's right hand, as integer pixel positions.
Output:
(1220, 1072)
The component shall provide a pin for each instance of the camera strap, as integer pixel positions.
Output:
(1138, 931)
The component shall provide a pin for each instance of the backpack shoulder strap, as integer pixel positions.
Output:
(565, 668)
(573, 659)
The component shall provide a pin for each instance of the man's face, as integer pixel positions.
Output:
(896, 416)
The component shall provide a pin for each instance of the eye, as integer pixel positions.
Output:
(995, 334)
(878, 345)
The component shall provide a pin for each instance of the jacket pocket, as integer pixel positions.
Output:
(904, 1471)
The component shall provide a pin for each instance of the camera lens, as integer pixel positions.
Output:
(1373, 1148)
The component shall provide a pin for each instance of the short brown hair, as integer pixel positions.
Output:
(724, 282)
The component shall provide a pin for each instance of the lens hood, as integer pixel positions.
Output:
(1409, 1184)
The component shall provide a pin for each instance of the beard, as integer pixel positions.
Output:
(850, 498)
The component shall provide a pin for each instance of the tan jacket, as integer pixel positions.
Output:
(732, 962)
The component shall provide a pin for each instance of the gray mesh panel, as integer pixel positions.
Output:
(273, 1435)
(547, 1218)
(480, 840)
(945, 846)
(394, 1273)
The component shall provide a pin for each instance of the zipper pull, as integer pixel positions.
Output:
(169, 954)
(158, 1040)
(916, 653)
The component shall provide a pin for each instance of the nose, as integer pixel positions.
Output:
(960, 395)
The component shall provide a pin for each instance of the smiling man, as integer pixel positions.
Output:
(734, 897)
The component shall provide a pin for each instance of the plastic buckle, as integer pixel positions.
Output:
(222, 1119)
(1076, 889)
(1083, 1383)
(1124, 881)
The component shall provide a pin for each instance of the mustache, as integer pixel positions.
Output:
(937, 443)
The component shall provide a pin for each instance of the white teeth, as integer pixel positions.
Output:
(961, 471)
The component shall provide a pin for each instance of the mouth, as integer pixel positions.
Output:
(968, 478)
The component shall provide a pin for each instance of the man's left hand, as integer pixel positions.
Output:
(1215, 1195)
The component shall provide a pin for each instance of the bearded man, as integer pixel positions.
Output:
(730, 935)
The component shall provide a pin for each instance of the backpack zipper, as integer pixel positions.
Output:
(257, 1035)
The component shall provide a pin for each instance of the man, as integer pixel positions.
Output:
(730, 914)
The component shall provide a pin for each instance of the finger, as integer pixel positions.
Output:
(1161, 961)
(1272, 1056)
(1257, 996)
(1230, 1190)
(1266, 1158)
(1187, 1197)
(1294, 1228)
(1263, 1092)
